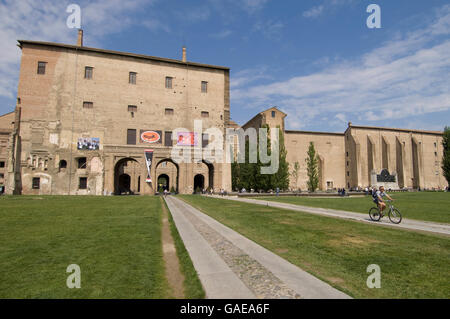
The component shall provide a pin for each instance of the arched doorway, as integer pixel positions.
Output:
(127, 177)
(199, 182)
(169, 171)
(163, 183)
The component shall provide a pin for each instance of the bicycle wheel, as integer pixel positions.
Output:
(374, 214)
(395, 216)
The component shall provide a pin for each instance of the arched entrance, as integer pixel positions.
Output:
(199, 182)
(169, 171)
(163, 183)
(127, 177)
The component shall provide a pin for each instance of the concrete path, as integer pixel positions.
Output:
(230, 265)
(405, 224)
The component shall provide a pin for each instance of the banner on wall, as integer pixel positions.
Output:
(148, 159)
(148, 136)
(187, 139)
(88, 143)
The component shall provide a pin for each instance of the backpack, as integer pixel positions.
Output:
(374, 195)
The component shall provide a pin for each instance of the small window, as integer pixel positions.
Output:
(273, 113)
(348, 173)
(435, 153)
(168, 139)
(347, 154)
(205, 114)
(131, 137)
(169, 82)
(132, 78)
(62, 164)
(36, 183)
(168, 111)
(88, 105)
(82, 163)
(132, 108)
(205, 139)
(41, 67)
(83, 183)
(435, 144)
(347, 163)
(2, 164)
(204, 87)
(2, 176)
(88, 71)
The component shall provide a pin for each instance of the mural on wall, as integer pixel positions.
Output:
(187, 139)
(149, 136)
(88, 143)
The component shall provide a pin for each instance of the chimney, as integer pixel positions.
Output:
(80, 38)
(184, 54)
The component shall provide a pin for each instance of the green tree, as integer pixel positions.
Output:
(281, 177)
(446, 157)
(312, 161)
(295, 173)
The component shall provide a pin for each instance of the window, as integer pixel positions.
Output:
(2, 164)
(205, 139)
(205, 114)
(88, 71)
(2, 176)
(62, 164)
(168, 111)
(273, 113)
(36, 183)
(131, 137)
(82, 163)
(132, 78)
(204, 87)
(41, 67)
(435, 144)
(132, 108)
(83, 183)
(168, 139)
(435, 153)
(88, 105)
(347, 163)
(168, 82)
(347, 154)
(348, 173)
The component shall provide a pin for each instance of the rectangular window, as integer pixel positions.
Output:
(132, 108)
(168, 139)
(2, 176)
(82, 163)
(204, 87)
(41, 67)
(168, 111)
(168, 82)
(2, 164)
(205, 140)
(83, 183)
(88, 105)
(131, 137)
(273, 113)
(36, 183)
(205, 114)
(88, 71)
(132, 78)
(348, 173)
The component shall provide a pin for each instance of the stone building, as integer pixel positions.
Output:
(86, 119)
(362, 156)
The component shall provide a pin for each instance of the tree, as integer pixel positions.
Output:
(295, 173)
(312, 161)
(446, 157)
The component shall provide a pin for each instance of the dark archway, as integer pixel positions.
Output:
(126, 176)
(161, 169)
(163, 183)
(199, 182)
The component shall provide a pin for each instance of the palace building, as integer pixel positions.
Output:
(98, 122)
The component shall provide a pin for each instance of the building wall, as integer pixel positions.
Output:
(6, 127)
(53, 117)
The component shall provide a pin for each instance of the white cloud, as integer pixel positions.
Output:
(313, 12)
(399, 79)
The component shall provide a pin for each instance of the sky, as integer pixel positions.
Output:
(316, 60)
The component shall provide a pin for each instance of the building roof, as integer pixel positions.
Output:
(260, 113)
(118, 53)
(393, 129)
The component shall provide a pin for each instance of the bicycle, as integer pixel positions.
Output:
(393, 213)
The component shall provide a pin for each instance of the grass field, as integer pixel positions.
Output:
(115, 240)
(428, 206)
(413, 265)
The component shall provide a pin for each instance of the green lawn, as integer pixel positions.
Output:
(115, 240)
(413, 264)
(428, 206)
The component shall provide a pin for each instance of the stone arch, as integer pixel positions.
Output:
(168, 167)
(126, 176)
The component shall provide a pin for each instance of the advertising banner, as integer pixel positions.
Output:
(150, 136)
(88, 143)
(148, 159)
(187, 139)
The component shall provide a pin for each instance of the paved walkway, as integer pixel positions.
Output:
(406, 223)
(230, 266)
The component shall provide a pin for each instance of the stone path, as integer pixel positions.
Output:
(405, 224)
(230, 265)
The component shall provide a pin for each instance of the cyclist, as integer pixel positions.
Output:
(378, 198)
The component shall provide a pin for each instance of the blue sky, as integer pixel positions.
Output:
(314, 59)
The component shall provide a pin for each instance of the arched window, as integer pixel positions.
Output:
(62, 164)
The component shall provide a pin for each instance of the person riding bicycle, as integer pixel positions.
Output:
(378, 198)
